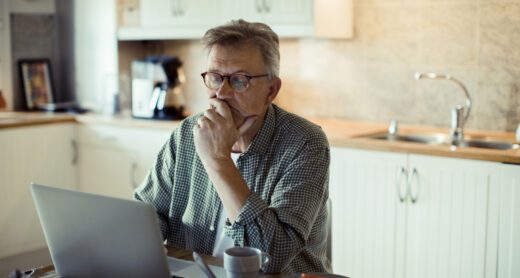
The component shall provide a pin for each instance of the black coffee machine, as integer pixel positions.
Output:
(157, 88)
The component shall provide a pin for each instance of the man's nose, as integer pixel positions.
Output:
(225, 91)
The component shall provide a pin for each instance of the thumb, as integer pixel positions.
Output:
(247, 124)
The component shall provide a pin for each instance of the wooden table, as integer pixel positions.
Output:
(48, 271)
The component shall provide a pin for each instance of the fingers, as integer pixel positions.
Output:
(247, 124)
(212, 115)
(221, 107)
(203, 122)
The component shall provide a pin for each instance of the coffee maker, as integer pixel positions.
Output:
(157, 88)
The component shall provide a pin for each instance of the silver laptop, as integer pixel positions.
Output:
(96, 236)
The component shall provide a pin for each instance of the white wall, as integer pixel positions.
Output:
(95, 51)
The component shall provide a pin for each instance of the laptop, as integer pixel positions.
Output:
(96, 236)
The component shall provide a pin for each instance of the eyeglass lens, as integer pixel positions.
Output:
(238, 82)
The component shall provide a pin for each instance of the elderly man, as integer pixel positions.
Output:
(244, 172)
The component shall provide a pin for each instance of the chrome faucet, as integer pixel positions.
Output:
(459, 114)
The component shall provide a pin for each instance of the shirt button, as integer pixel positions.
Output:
(212, 228)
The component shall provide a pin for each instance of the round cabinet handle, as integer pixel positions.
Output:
(133, 169)
(399, 185)
(414, 176)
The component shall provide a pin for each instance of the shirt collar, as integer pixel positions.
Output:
(262, 139)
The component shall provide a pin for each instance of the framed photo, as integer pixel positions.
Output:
(35, 75)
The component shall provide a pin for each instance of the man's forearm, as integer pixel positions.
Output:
(230, 186)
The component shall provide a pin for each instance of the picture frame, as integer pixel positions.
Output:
(36, 79)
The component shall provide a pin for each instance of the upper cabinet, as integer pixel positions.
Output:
(288, 18)
(183, 19)
(177, 13)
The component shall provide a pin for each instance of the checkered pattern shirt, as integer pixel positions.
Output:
(286, 169)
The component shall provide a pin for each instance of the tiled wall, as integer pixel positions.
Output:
(371, 77)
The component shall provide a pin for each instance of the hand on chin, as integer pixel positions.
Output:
(244, 124)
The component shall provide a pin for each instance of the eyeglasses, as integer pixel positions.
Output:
(239, 82)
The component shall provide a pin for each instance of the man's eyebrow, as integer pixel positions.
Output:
(235, 72)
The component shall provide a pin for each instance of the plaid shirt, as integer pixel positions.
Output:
(286, 169)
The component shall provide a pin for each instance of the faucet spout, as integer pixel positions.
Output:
(457, 120)
(432, 75)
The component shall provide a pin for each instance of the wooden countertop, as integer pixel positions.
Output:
(341, 133)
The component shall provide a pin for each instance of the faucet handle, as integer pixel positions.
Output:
(393, 128)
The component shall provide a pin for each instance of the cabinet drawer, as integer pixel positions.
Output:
(137, 139)
(106, 136)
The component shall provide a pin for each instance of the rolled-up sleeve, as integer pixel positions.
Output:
(282, 228)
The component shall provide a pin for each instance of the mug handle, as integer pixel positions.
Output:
(266, 258)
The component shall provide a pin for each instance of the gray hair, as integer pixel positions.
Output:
(239, 32)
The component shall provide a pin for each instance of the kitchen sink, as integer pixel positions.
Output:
(488, 144)
(431, 139)
(440, 139)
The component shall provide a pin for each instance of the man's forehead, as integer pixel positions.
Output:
(246, 56)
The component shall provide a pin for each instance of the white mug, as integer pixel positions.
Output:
(518, 133)
(244, 262)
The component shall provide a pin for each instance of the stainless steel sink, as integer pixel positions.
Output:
(431, 139)
(443, 139)
(488, 144)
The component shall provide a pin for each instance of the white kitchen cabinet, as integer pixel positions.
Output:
(42, 154)
(178, 13)
(289, 18)
(509, 223)
(363, 192)
(114, 160)
(172, 19)
(447, 217)
(406, 215)
(182, 19)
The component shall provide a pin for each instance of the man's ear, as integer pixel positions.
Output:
(273, 90)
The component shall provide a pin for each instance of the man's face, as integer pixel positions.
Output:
(245, 59)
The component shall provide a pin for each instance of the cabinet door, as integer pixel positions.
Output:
(249, 10)
(288, 11)
(365, 207)
(509, 235)
(107, 171)
(42, 154)
(158, 13)
(168, 13)
(114, 160)
(447, 216)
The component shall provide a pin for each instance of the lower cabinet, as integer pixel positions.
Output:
(509, 223)
(42, 154)
(406, 215)
(114, 160)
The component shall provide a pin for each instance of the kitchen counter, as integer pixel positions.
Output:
(347, 133)
(341, 133)
(21, 119)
